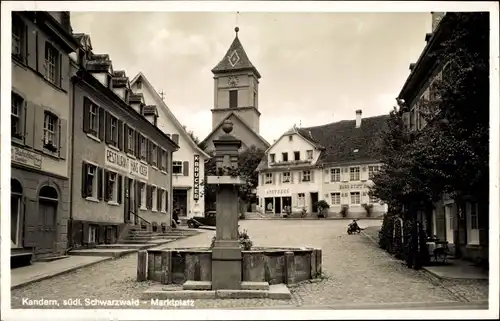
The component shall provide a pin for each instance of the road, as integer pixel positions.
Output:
(356, 272)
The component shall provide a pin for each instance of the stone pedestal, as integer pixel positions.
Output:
(226, 254)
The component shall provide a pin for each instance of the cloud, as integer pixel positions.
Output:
(316, 67)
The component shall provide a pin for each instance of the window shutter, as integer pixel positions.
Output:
(161, 160)
(185, 168)
(279, 178)
(166, 200)
(120, 134)
(101, 123)
(108, 128)
(149, 151)
(138, 195)
(295, 200)
(41, 53)
(38, 132)
(64, 72)
(119, 192)
(312, 176)
(300, 177)
(137, 151)
(106, 186)
(262, 179)
(125, 138)
(84, 180)
(158, 199)
(166, 162)
(29, 123)
(99, 183)
(148, 197)
(31, 49)
(159, 155)
(63, 138)
(291, 177)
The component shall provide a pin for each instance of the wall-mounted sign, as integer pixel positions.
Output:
(121, 162)
(353, 186)
(25, 157)
(196, 180)
(278, 192)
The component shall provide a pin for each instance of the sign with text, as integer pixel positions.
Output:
(196, 182)
(124, 163)
(353, 186)
(25, 157)
(278, 192)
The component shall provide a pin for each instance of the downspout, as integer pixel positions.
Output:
(72, 111)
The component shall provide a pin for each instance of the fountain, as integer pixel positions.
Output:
(225, 270)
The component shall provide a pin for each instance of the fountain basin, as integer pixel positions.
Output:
(274, 265)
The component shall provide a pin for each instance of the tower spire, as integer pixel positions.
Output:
(236, 29)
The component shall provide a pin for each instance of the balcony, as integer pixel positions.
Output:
(291, 163)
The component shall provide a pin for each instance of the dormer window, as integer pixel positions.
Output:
(309, 154)
(139, 84)
(272, 158)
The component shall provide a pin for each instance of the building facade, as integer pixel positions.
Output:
(333, 162)
(40, 132)
(188, 164)
(236, 97)
(121, 168)
(464, 226)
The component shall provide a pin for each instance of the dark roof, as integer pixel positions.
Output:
(119, 73)
(339, 140)
(238, 56)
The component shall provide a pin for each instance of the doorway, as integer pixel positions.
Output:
(16, 193)
(47, 214)
(180, 201)
(277, 205)
(314, 202)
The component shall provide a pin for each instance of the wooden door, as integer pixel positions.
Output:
(47, 225)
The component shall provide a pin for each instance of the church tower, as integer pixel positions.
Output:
(236, 87)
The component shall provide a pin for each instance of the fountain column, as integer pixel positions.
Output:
(226, 253)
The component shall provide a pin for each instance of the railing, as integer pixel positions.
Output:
(141, 219)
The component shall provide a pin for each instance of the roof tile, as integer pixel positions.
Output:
(235, 59)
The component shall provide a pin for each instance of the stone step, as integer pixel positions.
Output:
(197, 285)
(255, 286)
(122, 246)
(102, 252)
(51, 258)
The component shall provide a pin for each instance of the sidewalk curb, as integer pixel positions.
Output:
(312, 218)
(49, 276)
(105, 259)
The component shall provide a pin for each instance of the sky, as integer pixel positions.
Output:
(316, 68)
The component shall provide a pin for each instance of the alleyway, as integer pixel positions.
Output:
(356, 271)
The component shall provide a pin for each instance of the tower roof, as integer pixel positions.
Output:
(235, 59)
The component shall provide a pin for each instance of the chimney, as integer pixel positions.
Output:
(436, 18)
(175, 138)
(358, 118)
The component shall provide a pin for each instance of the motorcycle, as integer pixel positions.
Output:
(353, 228)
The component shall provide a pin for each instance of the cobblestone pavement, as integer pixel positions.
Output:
(356, 271)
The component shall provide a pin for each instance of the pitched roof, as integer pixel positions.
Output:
(135, 97)
(342, 142)
(119, 79)
(168, 112)
(235, 59)
(216, 128)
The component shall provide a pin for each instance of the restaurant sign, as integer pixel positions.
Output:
(196, 182)
(25, 157)
(122, 162)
